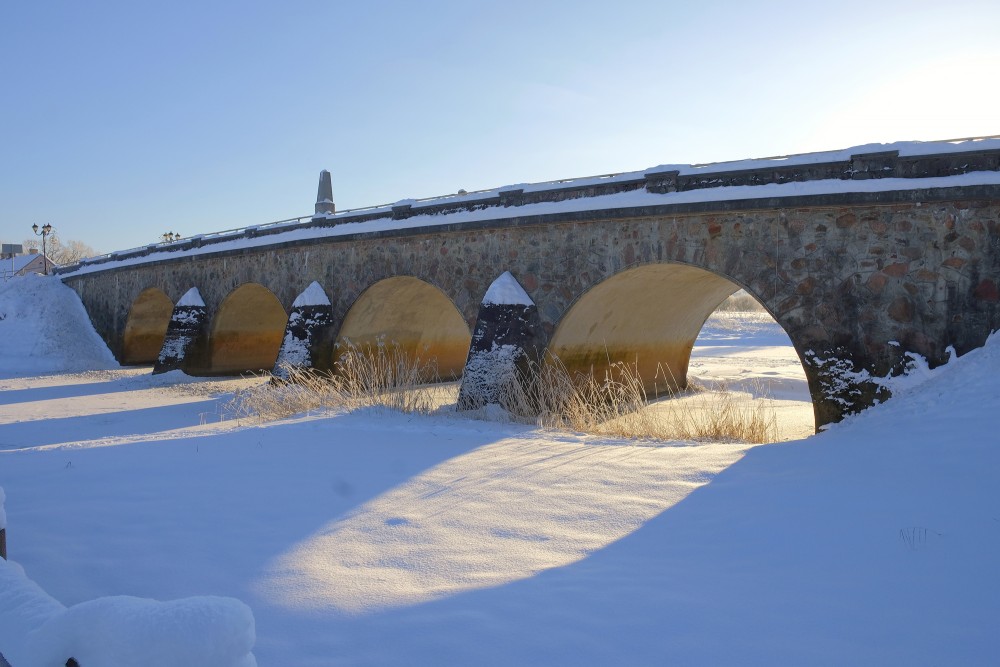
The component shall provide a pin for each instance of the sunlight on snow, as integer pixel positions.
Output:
(475, 521)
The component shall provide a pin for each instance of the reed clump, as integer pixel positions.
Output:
(380, 376)
(614, 404)
(617, 405)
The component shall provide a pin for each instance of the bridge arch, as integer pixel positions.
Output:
(647, 316)
(412, 314)
(146, 326)
(246, 331)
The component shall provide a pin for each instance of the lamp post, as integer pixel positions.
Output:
(169, 237)
(46, 230)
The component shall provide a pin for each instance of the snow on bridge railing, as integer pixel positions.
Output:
(185, 242)
(873, 161)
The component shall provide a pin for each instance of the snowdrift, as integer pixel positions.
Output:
(44, 328)
(37, 631)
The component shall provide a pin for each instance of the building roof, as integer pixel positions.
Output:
(20, 264)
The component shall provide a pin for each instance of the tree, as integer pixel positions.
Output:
(59, 252)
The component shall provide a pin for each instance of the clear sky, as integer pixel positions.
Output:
(124, 119)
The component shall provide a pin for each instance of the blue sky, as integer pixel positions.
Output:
(124, 120)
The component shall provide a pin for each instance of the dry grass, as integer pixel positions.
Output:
(615, 405)
(376, 376)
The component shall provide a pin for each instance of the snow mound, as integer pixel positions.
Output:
(960, 391)
(505, 290)
(38, 631)
(312, 296)
(125, 631)
(24, 606)
(45, 328)
(192, 298)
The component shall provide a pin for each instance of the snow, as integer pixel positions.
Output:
(66, 342)
(505, 290)
(905, 149)
(623, 200)
(192, 298)
(376, 538)
(174, 346)
(489, 372)
(294, 351)
(11, 266)
(123, 631)
(24, 607)
(314, 295)
(37, 631)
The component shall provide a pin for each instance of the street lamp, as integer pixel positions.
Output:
(170, 237)
(46, 230)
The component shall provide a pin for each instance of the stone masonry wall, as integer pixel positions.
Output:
(844, 278)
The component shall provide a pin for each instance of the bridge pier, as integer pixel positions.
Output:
(308, 334)
(185, 332)
(506, 350)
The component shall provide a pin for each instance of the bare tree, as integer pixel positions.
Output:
(60, 252)
(71, 252)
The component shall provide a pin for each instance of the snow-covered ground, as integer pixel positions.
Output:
(384, 539)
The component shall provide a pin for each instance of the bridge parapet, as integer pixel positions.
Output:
(843, 166)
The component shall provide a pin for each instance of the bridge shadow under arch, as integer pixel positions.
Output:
(246, 331)
(647, 317)
(146, 326)
(410, 315)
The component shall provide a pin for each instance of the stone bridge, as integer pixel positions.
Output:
(860, 256)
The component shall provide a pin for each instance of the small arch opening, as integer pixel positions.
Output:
(647, 317)
(146, 327)
(415, 318)
(246, 331)
(743, 348)
(664, 324)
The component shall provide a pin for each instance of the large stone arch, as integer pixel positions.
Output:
(647, 317)
(246, 331)
(146, 326)
(412, 314)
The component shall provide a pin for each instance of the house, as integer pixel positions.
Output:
(19, 265)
